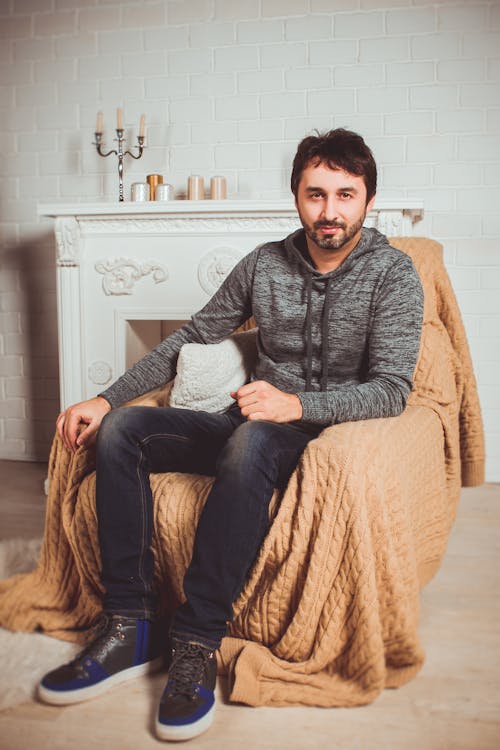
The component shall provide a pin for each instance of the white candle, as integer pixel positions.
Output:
(142, 126)
(98, 127)
(119, 118)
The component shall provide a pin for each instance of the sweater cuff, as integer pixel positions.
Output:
(108, 396)
(472, 473)
(312, 411)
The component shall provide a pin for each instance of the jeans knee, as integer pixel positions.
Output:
(116, 427)
(248, 446)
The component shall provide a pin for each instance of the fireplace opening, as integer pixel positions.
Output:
(144, 335)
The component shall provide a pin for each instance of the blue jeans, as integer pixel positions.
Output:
(247, 459)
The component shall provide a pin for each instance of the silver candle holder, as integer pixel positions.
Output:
(120, 153)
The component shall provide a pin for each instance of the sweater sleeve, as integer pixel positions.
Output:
(393, 347)
(229, 308)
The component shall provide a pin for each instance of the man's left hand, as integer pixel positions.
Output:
(262, 401)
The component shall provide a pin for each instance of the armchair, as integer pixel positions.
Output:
(329, 613)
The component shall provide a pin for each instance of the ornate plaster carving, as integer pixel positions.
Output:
(390, 223)
(100, 372)
(215, 266)
(190, 225)
(67, 241)
(121, 274)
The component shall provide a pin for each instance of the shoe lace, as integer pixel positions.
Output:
(105, 629)
(187, 668)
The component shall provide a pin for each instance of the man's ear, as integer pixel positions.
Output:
(370, 203)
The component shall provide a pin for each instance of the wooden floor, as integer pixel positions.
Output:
(452, 704)
(22, 499)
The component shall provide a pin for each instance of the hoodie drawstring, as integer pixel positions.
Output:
(309, 334)
(324, 335)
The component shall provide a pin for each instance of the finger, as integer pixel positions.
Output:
(252, 398)
(86, 434)
(254, 408)
(246, 389)
(71, 429)
(60, 424)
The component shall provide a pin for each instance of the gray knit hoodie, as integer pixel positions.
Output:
(346, 342)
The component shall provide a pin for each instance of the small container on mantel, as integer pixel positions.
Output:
(153, 181)
(218, 188)
(196, 188)
(164, 192)
(139, 191)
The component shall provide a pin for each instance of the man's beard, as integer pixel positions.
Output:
(335, 241)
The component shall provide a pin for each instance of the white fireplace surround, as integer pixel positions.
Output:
(128, 273)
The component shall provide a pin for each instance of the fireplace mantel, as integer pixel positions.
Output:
(249, 207)
(122, 263)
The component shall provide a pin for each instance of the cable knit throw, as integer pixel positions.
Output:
(329, 613)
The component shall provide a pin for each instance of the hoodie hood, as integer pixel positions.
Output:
(296, 245)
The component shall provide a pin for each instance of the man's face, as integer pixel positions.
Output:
(332, 207)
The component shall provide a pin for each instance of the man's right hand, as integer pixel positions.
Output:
(88, 413)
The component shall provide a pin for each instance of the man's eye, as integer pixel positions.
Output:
(346, 196)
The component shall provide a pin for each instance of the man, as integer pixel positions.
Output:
(339, 316)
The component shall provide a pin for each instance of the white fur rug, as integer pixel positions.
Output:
(26, 657)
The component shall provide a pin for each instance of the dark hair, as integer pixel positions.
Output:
(338, 149)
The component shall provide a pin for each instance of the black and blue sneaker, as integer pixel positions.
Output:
(187, 706)
(122, 649)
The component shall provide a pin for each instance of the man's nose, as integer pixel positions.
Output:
(330, 212)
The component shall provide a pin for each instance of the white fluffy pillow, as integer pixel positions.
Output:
(207, 373)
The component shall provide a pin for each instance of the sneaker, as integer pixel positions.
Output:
(187, 706)
(123, 648)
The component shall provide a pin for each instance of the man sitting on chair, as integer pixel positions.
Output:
(339, 316)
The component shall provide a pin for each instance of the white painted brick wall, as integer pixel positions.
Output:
(231, 86)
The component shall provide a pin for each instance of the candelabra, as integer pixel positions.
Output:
(120, 153)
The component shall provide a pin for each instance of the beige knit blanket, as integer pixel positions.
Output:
(329, 613)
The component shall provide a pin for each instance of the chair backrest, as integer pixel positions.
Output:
(427, 256)
(444, 369)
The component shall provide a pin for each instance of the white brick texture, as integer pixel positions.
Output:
(230, 86)
(358, 25)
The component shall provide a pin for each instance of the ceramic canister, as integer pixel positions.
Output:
(153, 181)
(164, 192)
(139, 191)
(218, 188)
(196, 188)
